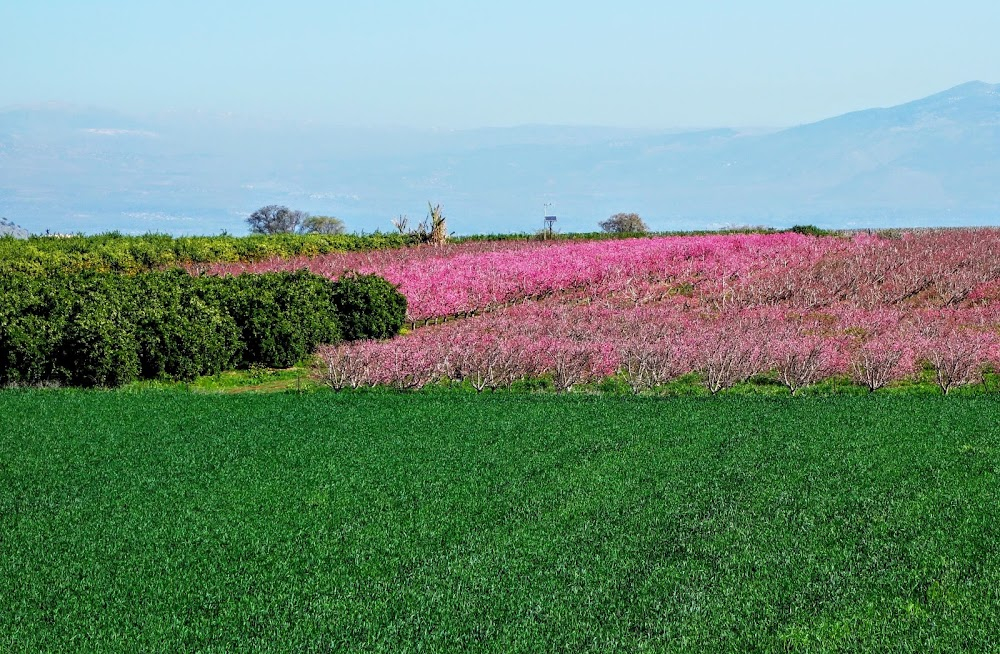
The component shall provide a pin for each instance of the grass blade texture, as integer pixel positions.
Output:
(166, 521)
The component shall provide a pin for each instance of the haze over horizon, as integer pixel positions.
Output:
(454, 65)
(186, 116)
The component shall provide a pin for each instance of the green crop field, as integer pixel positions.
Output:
(170, 521)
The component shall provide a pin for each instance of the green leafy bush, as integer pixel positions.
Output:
(99, 346)
(369, 306)
(33, 315)
(181, 333)
(108, 329)
(115, 252)
(810, 230)
(281, 316)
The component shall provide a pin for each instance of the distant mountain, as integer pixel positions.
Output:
(8, 228)
(934, 161)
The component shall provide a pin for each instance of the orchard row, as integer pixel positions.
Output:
(934, 269)
(652, 345)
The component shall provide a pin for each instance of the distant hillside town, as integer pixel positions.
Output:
(7, 228)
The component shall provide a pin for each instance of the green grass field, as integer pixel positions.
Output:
(171, 521)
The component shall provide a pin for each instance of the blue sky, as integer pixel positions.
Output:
(459, 64)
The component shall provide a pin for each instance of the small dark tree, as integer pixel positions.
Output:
(275, 219)
(624, 223)
(322, 225)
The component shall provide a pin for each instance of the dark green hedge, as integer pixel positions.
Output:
(106, 329)
(369, 306)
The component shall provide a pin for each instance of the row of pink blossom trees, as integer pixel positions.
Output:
(654, 344)
(943, 268)
(728, 307)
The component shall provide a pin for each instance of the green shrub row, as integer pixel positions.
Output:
(115, 252)
(106, 329)
(809, 230)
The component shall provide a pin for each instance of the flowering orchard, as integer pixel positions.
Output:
(940, 268)
(650, 310)
(652, 345)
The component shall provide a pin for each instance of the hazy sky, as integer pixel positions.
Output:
(457, 64)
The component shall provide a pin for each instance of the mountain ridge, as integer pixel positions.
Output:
(933, 160)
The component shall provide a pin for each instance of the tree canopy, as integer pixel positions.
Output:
(322, 225)
(624, 223)
(275, 219)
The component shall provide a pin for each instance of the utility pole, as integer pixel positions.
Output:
(549, 219)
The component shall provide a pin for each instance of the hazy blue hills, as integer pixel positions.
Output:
(934, 161)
